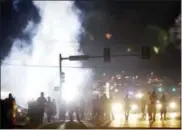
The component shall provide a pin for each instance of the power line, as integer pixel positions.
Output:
(44, 66)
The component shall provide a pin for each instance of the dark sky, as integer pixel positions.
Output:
(126, 21)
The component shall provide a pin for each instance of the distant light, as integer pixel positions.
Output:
(160, 89)
(139, 95)
(136, 76)
(173, 105)
(115, 84)
(130, 93)
(126, 77)
(108, 36)
(116, 90)
(156, 49)
(119, 84)
(129, 49)
(104, 74)
(152, 73)
(174, 89)
(107, 84)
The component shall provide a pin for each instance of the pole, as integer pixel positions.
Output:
(60, 69)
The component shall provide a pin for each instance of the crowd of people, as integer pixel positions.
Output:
(102, 110)
(38, 108)
(149, 101)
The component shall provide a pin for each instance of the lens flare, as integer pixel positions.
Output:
(57, 33)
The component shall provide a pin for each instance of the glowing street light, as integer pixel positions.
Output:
(160, 89)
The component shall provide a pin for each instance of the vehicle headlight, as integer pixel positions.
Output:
(116, 107)
(172, 105)
(134, 107)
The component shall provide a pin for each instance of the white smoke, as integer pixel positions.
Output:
(58, 33)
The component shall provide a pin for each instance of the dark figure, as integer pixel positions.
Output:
(8, 112)
(62, 110)
(82, 109)
(94, 107)
(164, 107)
(41, 102)
(149, 106)
(143, 107)
(71, 112)
(54, 109)
(127, 106)
(105, 107)
(49, 109)
(153, 99)
(110, 105)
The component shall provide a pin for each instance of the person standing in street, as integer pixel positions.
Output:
(149, 106)
(143, 107)
(41, 102)
(49, 110)
(164, 107)
(127, 106)
(153, 99)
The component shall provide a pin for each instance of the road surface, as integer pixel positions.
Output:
(173, 121)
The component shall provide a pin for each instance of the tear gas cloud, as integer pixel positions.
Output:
(57, 33)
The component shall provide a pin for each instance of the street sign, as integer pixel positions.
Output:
(107, 55)
(79, 57)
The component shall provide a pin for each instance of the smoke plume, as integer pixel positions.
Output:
(58, 32)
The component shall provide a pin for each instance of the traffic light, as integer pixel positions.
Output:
(62, 77)
(107, 55)
(145, 52)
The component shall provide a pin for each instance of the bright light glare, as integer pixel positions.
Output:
(19, 110)
(116, 107)
(58, 33)
(173, 115)
(70, 94)
(159, 106)
(134, 107)
(172, 105)
(139, 95)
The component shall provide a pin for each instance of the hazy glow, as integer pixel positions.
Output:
(173, 105)
(58, 33)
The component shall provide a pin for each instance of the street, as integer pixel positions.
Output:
(173, 121)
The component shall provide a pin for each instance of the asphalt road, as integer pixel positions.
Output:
(173, 121)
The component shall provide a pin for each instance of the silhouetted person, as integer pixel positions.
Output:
(8, 112)
(49, 109)
(54, 109)
(41, 102)
(62, 110)
(164, 107)
(82, 109)
(143, 107)
(127, 106)
(149, 106)
(153, 99)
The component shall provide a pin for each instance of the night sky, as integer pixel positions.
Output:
(127, 22)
